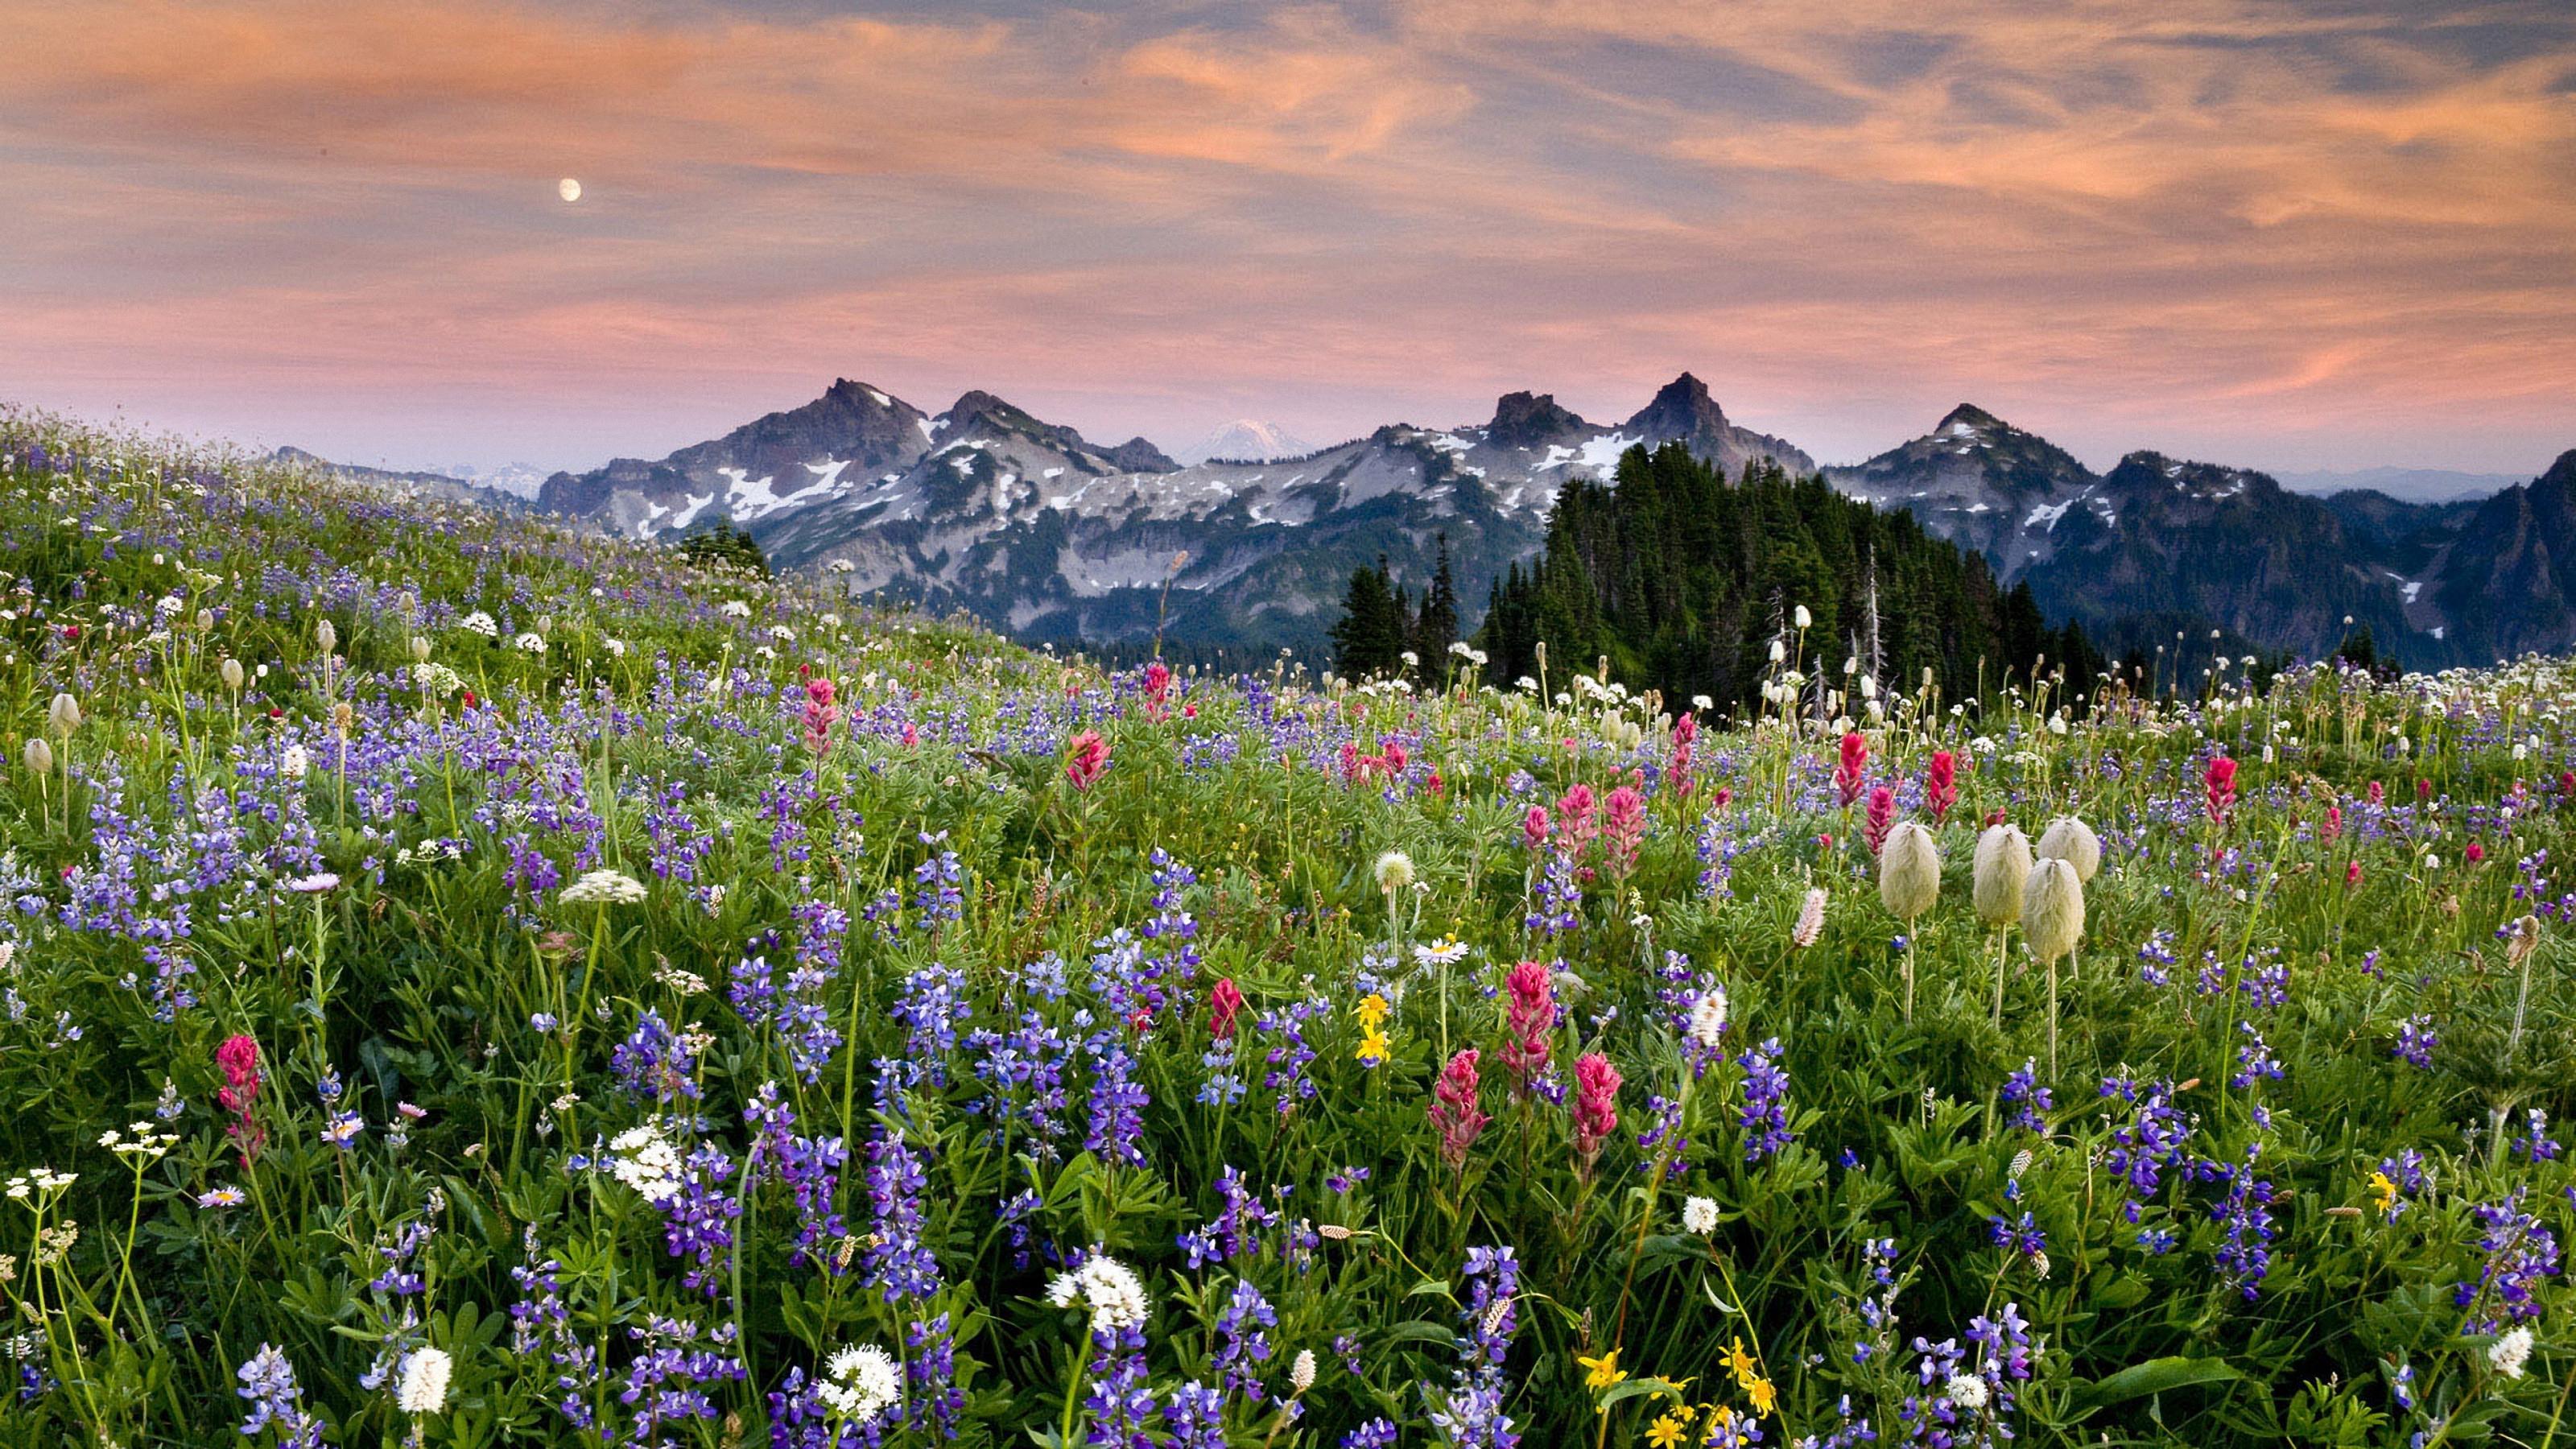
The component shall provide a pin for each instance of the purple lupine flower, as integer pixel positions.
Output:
(936, 899)
(930, 1369)
(2023, 1093)
(655, 1064)
(2244, 1254)
(932, 1005)
(2145, 1147)
(276, 1402)
(2520, 1254)
(898, 1260)
(2416, 1041)
(2254, 1059)
(810, 1168)
(2023, 1237)
(1470, 1411)
(669, 1379)
(1117, 1103)
(1241, 1343)
(1235, 1232)
(2534, 1143)
(697, 1221)
(1194, 1417)
(1765, 1114)
(1289, 1055)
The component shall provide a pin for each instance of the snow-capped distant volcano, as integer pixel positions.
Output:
(1250, 440)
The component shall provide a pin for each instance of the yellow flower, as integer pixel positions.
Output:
(1740, 1363)
(2384, 1191)
(1374, 1047)
(1763, 1396)
(1669, 1430)
(1605, 1370)
(1372, 1012)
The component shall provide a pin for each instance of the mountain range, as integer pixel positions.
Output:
(1049, 535)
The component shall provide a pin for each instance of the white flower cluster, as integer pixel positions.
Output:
(1105, 1286)
(603, 888)
(435, 680)
(42, 1180)
(430, 852)
(481, 623)
(643, 1159)
(531, 643)
(860, 1383)
(145, 1145)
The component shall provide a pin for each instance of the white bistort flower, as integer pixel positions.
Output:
(1966, 1392)
(424, 1381)
(1699, 1215)
(2510, 1352)
(1708, 1018)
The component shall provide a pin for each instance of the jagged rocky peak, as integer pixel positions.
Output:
(1681, 409)
(1530, 420)
(978, 413)
(1969, 420)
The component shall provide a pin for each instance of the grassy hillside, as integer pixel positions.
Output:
(471, 983)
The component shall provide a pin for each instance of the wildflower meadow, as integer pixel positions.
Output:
(468, 982)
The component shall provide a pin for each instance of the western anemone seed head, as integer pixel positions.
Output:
(1811, 919)
(1909, 871)
(2071, 840)
(325, 637)
(64, 714)
(419, 649)
(2052, 909)
(231, 670)
(40, 756)
(2002, 869)
(1394, 871)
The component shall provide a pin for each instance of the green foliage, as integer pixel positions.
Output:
(1001, 964)
(724, 546)
(1683, 580)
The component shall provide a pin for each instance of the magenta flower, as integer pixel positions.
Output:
(1453, 1108)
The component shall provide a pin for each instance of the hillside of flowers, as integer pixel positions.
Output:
(463, 982)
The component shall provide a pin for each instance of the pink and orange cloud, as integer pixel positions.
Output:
(2285, 234)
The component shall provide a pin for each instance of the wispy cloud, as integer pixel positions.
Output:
(2277, 232)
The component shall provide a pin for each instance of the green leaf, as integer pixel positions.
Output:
(2155, 1376)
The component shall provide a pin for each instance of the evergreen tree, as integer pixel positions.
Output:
(1435, 628)
(724, 546)
(1370, 640)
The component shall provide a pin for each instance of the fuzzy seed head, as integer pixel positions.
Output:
(2002, 869)
(2071, 840)
(1909, 871)
(2052, 909)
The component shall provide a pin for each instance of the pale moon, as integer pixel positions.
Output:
(568, 189)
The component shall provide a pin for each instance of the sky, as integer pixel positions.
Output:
(2286, 235)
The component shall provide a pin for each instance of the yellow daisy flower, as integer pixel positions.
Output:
(2383, 1191)
(1669, 1430)
(1604, 1371)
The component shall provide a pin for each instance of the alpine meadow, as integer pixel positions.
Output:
(474, 982)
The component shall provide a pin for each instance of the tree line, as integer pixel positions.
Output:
(1683, 579)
